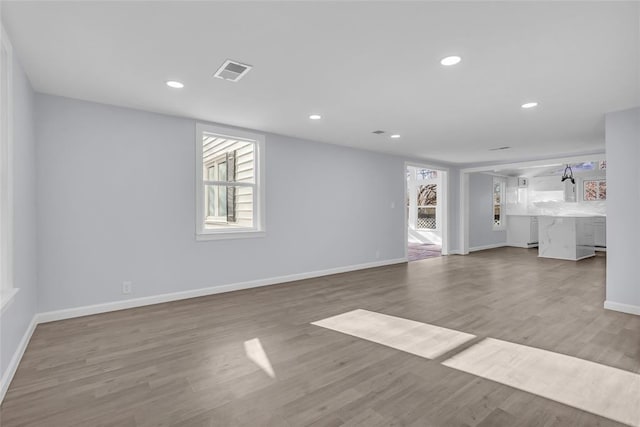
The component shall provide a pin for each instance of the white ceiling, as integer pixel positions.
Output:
(362, 65)
(543, 170)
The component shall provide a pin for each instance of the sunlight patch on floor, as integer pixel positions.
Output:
(602, 390)
(413, 337)
(255, 353)
(592, 387)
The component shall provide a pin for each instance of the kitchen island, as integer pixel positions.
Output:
(569, 237)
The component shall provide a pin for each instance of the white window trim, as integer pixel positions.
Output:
(258, 230)
(503, 216)
(7, 289)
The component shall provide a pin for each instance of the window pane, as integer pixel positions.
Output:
(426, 218)
(222, 201)
(496, 194)
(497, 217)
(591, 190)
(428, 195)
(232, 158)
(229, 206)
(427, 174)
(211, 197)
(222, 171)
(602, 190)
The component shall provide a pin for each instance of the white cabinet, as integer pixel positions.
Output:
(522, 231)
(600, 232)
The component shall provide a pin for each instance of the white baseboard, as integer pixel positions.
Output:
(156, 299)
(482, 248)
(624, 308)
(17, 356)
(52, 316)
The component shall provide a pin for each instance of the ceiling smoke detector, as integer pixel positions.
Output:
(232, 70)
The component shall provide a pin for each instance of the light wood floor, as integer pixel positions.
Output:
(184, 363)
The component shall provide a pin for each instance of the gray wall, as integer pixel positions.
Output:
(481, 231)
(17, 316)
(623, 205)
(116, 187)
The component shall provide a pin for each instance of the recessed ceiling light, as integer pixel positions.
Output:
(315, 117)
(175, 84)
(450, 60)
(395, 136)
(529, 105)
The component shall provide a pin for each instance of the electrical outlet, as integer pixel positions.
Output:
(127, 287)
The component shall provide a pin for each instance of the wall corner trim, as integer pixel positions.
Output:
(17, 357)
(623, 308)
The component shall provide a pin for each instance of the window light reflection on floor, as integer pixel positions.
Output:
(592, 387)
(254, 351)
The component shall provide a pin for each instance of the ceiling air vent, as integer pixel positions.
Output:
(378, 132)
(499, 148)
(232, 71)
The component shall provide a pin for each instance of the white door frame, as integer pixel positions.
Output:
(464, 186)
(442, 199)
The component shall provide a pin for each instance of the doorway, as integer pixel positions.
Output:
(425, 212)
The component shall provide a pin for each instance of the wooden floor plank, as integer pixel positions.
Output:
(184, 363)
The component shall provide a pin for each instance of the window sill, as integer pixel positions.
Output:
(7, 297)
(227, 235)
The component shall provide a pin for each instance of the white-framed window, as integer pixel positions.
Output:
(229, 183)
(7, 289)
(498, 204)
(594, 189)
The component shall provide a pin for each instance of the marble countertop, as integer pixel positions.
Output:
(562, 215)
(575, 215)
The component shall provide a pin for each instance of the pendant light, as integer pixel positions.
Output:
(568, 174)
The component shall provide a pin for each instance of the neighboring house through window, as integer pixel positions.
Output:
(230, 184)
